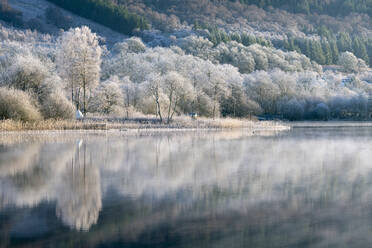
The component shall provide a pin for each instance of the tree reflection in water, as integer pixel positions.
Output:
(79, 194)
(37, 172)
(298, 189)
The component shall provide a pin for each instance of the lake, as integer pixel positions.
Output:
(307, 187)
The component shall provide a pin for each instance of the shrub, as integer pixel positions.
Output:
(27, 73)
(321, 112)
(293, 110)
(17, 105)
(131, 45)
(56, 106)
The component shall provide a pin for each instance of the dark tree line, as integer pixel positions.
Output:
(107, 13)
(326, 50)
(10, 15)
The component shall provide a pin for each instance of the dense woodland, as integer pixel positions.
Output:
(332, 7)
(187, 66)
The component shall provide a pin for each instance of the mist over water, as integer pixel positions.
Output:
(308, 187)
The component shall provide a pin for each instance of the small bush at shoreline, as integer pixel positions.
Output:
(17, 105)
(56, 106)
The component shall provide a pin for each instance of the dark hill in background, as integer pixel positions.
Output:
(107, 13)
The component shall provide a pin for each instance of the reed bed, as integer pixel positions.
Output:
(133, 124)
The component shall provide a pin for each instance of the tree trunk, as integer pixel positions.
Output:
(193, 100)
(78, 99)
(159, 111)
(215, 101)
(234, 107)
(214, 108)
(84, 98)
(156, 111)
(170, 105)
(128, 103)
(72, 94)
(174, 109)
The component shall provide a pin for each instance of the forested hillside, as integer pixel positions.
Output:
(214, 58)
(331, 7)
(319, 29)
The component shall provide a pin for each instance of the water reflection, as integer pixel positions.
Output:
(304, 188)
(62, 172)
(79, 191)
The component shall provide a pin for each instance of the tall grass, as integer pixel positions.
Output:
(182, 123)
(51, 124)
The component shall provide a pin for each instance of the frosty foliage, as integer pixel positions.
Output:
(78, 59)
(235, 16)
(108, 98)
(350, 63)
(247, 59)
(131, 45)
(29, 67)
(56, 106)
(17, 105)
(194, 76)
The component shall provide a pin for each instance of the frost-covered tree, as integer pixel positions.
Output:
(261, 88)
(154, 90)
(36, 77)
(216, 88)
(130, 93)
(175, 87)
(351, 63)
(348, 61)
(131, 45)
(108, 97)
(27, 73)
(198, 46)
(79, 59)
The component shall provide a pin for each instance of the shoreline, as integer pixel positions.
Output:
(181, 124)
(178, 125)
(329, 124)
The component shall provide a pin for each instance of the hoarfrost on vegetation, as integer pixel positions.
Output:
(194, 76)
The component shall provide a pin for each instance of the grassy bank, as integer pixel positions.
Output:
(123, 124)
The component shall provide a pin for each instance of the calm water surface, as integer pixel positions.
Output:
(302, 188)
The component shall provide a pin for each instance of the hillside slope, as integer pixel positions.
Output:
(314, 33)
(318, 33)
(34, 10)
